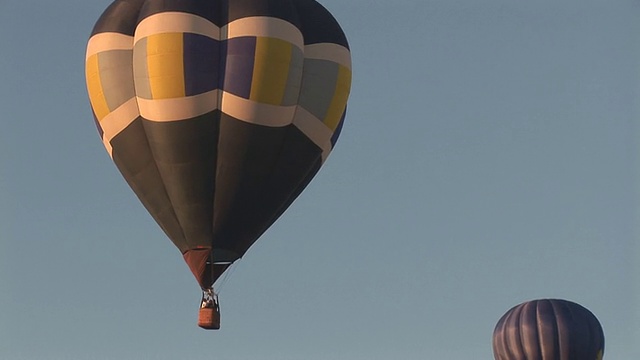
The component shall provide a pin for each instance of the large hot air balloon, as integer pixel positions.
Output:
(217, 113)
(548, 330)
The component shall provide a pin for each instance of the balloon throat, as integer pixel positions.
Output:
(209, 299)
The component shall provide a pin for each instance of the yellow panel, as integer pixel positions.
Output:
(165, 61)
(94, 87)
(339, 102)
(270, 70)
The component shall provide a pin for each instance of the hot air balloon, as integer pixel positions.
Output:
(548, 330)
(218, 113)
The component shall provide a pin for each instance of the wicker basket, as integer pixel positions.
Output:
(209, 318)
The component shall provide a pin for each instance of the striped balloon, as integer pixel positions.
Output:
(217, 113)
(548, 330)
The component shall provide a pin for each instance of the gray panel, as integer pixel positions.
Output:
(318, 86)
(141, 70)
(116, 76)
(294, 79)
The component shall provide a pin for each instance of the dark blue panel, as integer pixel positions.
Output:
(338, 130)
(201, 64)
(281, 9)
(210, 10)
(121, 17)
(318, 25)
(240, 55)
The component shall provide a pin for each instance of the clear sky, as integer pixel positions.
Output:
(489, 157)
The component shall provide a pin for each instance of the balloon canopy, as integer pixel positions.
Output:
(548, 330)
(218, 113)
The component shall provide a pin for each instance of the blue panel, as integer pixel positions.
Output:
(95, 119)
(240, 56)
(338, 130)
(201, 64)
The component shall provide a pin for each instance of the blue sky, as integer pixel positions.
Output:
(489, 157)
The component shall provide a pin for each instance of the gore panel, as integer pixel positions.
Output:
(133, 158)
(307, 165)
(529, 329)
(259, 168)
(185, 153)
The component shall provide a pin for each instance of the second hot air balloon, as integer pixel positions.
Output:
(549, 329)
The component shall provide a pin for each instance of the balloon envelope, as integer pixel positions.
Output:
(217, 113)
(548, 329)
